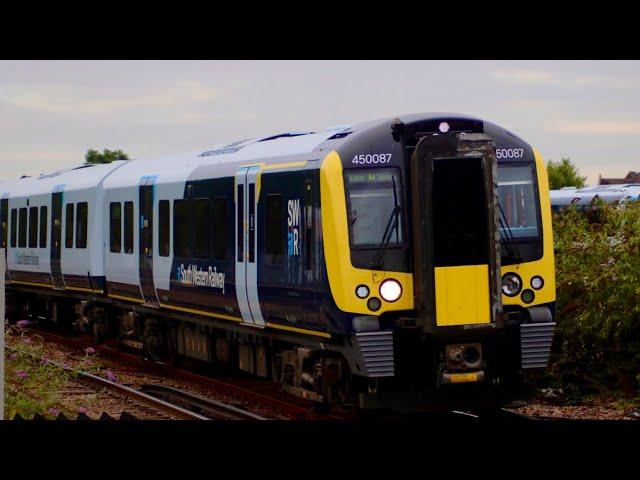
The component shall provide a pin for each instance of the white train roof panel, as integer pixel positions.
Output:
(74, 178)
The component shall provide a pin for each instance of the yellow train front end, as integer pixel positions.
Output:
(439, 256)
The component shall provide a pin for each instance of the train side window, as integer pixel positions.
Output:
(81, 224)
(14, 227)
(33, 227)
(164, 225)
(44, 220)
(181, 228)
(201, 227)
(115, 227)
(68, 235)
(128, 227)
(22, 228)
(274, 221)
(220, 228)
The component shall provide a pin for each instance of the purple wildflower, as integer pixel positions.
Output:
(90, 350)
(83, 410)
(27, 340)
(66, 366)
(45, 361)
(111, 376)
(13, 356)
(23, 323)
(21, 374)
(54, 412)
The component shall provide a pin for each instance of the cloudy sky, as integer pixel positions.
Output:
(51, 112)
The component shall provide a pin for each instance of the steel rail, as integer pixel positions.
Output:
(203, 404)
(129, 392)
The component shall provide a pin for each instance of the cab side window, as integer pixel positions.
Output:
(274, 221)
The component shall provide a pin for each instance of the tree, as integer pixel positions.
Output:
(107, 156)
(564, 174)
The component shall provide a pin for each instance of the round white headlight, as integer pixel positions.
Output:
(511, 284)
(537, 282)
(362, 291)
(390, 290)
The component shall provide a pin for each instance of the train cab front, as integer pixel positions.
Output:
(484, 285)
(443, 262)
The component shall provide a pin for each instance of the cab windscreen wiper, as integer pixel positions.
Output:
(392, 224)
(509, 239)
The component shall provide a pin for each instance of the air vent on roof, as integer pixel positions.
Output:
(288, 134)
(339, 135)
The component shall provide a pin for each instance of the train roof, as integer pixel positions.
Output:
(584, 196)
(222, 159)
(74, 178)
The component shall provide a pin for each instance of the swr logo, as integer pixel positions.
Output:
(293, 223)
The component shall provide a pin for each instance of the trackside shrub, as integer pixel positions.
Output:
(597, 345)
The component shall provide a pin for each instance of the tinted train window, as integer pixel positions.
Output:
(181, 228)
(201, 227)
(14, 227)
(115, 227)
(22, 228)
(374, 200)
(220, 228)
(81, 225)
(164, 223)
(128, 227)
(33, 227)
(274, 221)
(43, 226)
(518, 201)
(68, 236)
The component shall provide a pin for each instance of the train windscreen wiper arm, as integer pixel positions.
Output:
(386, 236)
(509, 239)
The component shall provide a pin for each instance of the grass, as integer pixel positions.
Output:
(34, 386)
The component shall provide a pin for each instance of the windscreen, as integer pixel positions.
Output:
(518, 201)
(373, 204)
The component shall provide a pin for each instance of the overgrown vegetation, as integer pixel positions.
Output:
(597, 344)
(33, 384)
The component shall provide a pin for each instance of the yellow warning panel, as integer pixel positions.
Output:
(462, 295)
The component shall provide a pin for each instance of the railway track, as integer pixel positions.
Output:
(172, 410)
(253, 391)
(210, 408)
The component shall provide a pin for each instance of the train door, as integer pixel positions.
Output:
(4, 227)
(455, 242)
(145, 241)
(246, 252)
(56, 239)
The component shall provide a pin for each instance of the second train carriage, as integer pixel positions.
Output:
(368, 263)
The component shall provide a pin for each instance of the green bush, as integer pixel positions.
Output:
(598, 286)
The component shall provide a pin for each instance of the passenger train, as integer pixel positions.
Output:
(386, 264)
(582, 198)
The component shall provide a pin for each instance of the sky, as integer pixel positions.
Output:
(52, 112)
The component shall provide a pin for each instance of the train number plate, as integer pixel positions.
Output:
(463, 377)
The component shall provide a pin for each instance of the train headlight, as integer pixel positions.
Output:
(537, 282)
(511, 284)
(362, 291)
(390, 290)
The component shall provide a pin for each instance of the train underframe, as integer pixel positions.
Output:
(431, 371)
